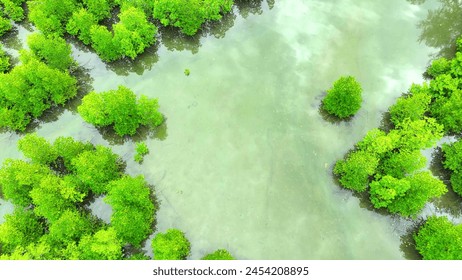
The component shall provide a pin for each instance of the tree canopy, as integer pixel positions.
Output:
(344, 98)
(49, 190)
(171, 245)
(121, 109)
(439, 239)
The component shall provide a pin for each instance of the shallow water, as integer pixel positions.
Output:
(244, 161)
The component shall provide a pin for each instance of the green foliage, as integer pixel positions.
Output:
(4, 60)
(70, 226)
(419, 134)
(144, 5)
(51, 16)
(220, 254)
(133, 33)
(443, 85)
(53, 196)
(103, 245)
(378, 142)
(130, 36)
(171, 245)
(19, 229)
(447, 111)
(37, 149)
(141, 151)
(355, 171)
(13, 9)
(189, 15)
(439, 239)
(80, 25)
(96, 168)
(67, 149)
(120, 109)
(30, 89)
(438, 67)
(400, 164)
(453, 162)
(387, 189)
(52, 50)
(17, 178)
(344, 98)
(187, 72)
(411, 107)
(5, 25)
(424, 187)
(133, 209)
(138, 257)
(101, 9)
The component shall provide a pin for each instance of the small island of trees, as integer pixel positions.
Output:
(344, 99)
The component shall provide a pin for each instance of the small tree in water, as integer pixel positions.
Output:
(344, 98)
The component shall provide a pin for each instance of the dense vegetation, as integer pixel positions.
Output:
(10, 10)
(141, 150)
(90, 21)
(388, 163)
(42, 81)
(220, 254)
(171, 245)
(52, 187)
(189, 15)
(344, 98)
(439, 239)
(49, 190)
(121, 109)
(4, 61)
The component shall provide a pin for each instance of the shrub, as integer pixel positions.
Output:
(344, 98)
(354, 172)
(220, 254)
(141, 151)
(439, 239)
(171, 245)
(121, 109)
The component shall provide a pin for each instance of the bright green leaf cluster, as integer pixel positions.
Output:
(5, 25)
(30, 89)
(52, 186)
(121, 109)
(133, 210)
(129, 38)
(220, 254)
(414, 106)
(4, 60)
(189, 15)
(344, 98)
(13, 9)
(141, 151)
(171, 245)
(52, 50)
(50, 16)
(439, 239)
(453, 162)
(389, 164)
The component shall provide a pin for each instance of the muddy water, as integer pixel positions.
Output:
(244, 161)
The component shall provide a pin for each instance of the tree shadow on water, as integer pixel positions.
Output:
(246, 7)
(408, 246)
(326, 116)
(442, 26)
(141, 63)
(84, 86)
(142, 133)
(449, 202)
